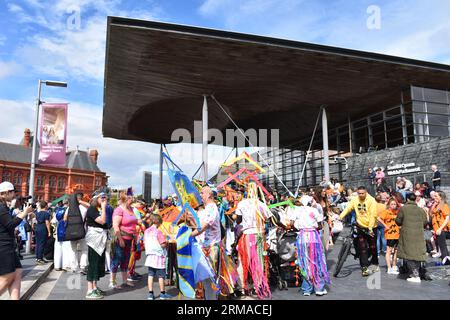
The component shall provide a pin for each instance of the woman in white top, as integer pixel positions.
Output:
(310, 252)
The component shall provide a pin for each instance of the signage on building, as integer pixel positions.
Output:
(402, 168)
(53, 134)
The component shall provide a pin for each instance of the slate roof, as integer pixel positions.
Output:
(75, 159)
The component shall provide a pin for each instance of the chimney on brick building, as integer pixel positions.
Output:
(27, 137)
(94, 155)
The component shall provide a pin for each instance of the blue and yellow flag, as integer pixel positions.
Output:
(184, 188)
(193, 266)
(184, 260)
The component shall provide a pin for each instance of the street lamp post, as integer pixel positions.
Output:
(34, 149)
(36, 128)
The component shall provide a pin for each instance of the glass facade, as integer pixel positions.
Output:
(422, 114)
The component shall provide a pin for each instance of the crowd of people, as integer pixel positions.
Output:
(227, 239)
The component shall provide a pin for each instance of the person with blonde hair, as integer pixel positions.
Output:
(124, 225)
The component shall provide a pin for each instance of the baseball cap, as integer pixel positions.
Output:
(6, 186)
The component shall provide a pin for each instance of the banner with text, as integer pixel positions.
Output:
(53, 132)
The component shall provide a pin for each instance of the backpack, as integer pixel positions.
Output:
(75, 228)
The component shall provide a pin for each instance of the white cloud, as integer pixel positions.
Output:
(431, 42)
(77, 54)
(2, 40)
(64, 51)
(210, 7)
(420, 31)
(9, 68)
(12, 7)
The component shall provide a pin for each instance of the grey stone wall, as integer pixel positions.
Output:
(436, 151)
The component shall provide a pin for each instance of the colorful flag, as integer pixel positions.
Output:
(185, 190)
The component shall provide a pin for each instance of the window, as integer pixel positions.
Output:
(52, 182)
(40, 181)
(17, 178)
(61, 183)
(6, 176)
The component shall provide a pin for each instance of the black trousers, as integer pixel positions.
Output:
(442, 243)
(367, 244)
(413, 268)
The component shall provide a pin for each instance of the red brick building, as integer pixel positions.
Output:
(80, 172)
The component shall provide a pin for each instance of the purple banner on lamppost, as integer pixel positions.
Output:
(53, 134)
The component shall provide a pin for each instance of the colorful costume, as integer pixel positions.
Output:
(252, 245)
(311, 258)
(310, 253)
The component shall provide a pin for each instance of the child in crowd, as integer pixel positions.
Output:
(155, 249)
(391, 233)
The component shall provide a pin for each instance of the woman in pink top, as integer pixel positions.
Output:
(124, 224)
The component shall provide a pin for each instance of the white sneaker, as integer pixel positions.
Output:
(393, 271)
(414, 279)
(395, 268)
(436, 255)
(321, 293)
(446, 258)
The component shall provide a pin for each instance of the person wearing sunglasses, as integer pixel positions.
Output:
(365, 207)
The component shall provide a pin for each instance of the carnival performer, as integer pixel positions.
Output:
(213, 248)
(211, 237)
(310, 252)
(251, 214)
(193, 266)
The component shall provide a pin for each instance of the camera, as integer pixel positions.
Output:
(29, 200)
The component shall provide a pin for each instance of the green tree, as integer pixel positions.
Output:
(113, 201)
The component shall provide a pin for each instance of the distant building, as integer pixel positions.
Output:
(80, 172)
(147, 186)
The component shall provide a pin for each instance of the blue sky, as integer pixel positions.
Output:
(38, 40)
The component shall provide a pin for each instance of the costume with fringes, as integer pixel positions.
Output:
(252, 245)
(311, 258)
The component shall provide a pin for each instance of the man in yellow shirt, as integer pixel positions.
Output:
(365, 207)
